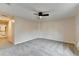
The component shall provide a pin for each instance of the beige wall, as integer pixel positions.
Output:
(24, 30)
(77, 29)
(59, 30)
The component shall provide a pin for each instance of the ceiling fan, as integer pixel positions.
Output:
(41, 14)
(38, 13)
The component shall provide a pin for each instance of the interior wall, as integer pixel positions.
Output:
(77, 29)
(24, 30)
(59, 30)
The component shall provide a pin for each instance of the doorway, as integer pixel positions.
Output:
(6, 33)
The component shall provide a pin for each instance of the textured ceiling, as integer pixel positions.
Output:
(27, 10)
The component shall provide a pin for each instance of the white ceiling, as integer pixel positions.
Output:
(27, 10)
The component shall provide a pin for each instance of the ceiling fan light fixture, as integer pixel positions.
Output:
(40, 17)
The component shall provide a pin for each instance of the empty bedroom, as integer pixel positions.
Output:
(39, 29)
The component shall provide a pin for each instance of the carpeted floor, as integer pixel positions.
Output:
(40, 47)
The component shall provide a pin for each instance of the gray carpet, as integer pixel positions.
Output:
(39, 47)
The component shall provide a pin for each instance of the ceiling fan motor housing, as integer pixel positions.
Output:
(41, 14)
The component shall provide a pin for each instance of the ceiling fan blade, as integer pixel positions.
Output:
(45, 15)
(35, 14)
(34, 10)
